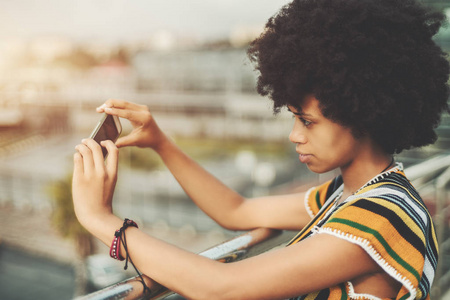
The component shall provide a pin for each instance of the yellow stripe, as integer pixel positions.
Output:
(404, 216)
(387, 231)
(370, 187)
(375, 185)
(312, 296)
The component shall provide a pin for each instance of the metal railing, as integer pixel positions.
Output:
(432, 179)
(431, 175)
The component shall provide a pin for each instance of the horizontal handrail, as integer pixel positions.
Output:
(427, 169)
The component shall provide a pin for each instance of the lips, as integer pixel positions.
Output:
(304, 158)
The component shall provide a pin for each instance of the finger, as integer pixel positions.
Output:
(97, 153)
(125, 141)
(124, 104)
(136, 116)
(86, 156)
(121, 104)
(78, 168)
(102, 107)
(113, 157)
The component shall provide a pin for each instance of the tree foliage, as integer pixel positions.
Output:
(63, 217)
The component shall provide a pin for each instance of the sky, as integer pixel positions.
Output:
(122, 20)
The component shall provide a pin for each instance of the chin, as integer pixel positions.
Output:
(319, 169)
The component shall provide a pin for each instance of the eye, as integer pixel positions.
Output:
(305, 122)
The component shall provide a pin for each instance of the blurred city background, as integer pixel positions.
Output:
(186, 60)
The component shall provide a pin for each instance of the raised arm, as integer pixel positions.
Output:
(221, 203)
(291, 271)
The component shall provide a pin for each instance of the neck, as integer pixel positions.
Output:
(361, 169)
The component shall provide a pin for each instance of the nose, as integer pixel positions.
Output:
(297, 135)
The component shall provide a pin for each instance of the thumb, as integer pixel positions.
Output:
(125, 141)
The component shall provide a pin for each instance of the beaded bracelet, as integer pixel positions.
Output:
(114, 251)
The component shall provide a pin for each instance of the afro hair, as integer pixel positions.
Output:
(372, 64)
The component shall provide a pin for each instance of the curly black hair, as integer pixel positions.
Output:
(372, 64)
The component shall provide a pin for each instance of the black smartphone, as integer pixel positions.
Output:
(108, 128)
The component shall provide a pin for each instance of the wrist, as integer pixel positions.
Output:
(101, 226)
(164, 144)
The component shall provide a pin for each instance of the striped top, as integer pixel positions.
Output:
(389, 220)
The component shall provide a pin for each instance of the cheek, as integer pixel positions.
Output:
(344, 147)
(334, 151)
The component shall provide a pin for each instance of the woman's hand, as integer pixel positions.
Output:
(146, 132)
(93, 180)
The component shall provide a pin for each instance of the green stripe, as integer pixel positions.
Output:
(382, 241)
(318, 200)
(405, 297)
(344, 295)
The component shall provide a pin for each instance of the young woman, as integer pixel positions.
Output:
(364, 80)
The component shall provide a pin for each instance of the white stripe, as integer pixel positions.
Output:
(380, 191)
(308, 208)
(353, 295)
(428, 270)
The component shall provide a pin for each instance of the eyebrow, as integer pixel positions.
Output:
(300, 113)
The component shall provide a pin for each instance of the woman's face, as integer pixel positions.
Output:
(321, 144)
